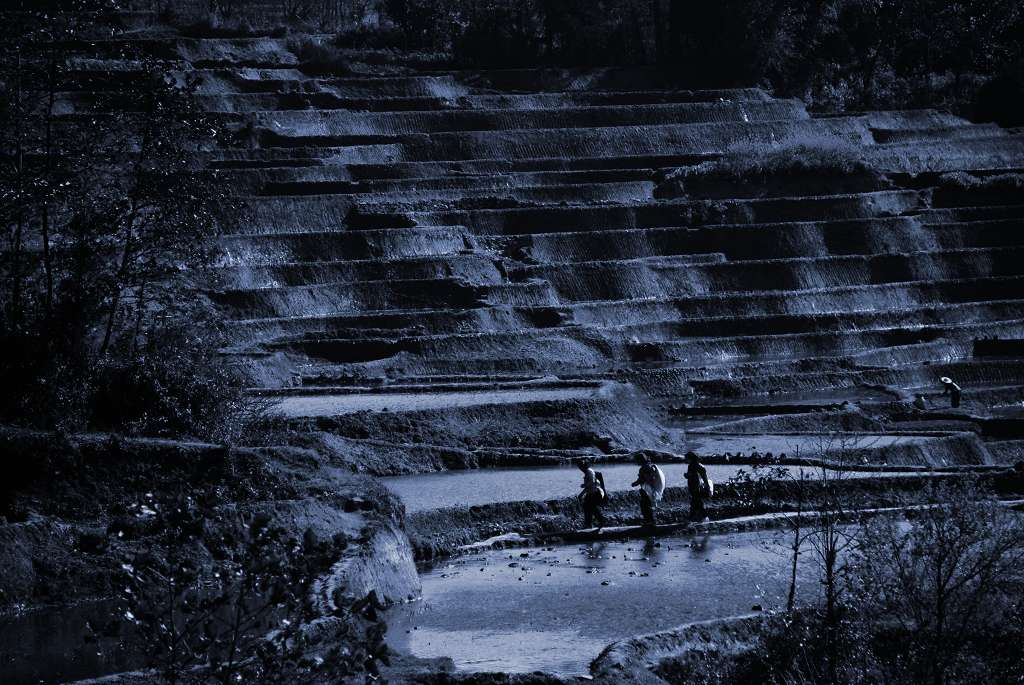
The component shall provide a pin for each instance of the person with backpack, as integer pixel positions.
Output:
(651, 480)
(699, 485)
(593, 495)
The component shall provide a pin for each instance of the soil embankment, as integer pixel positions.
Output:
(78, 508)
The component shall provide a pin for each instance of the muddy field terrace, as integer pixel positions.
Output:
(457, 282)
(515, 262)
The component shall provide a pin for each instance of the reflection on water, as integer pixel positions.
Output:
(556, 608)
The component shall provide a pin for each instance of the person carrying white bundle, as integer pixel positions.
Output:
(651, 480)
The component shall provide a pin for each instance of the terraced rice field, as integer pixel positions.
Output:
(441, 269)
(452, 258)
(416, 226)
(514, 266)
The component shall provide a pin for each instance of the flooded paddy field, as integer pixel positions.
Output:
(60, 644)
(555, 608)
(334, 405)
(429, 491)
(793, 445)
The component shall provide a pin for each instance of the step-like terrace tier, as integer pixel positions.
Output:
(447, 227)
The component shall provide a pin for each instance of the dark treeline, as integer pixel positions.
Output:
(852, 54)
(835, 54)
(964, 55)
(106, 225)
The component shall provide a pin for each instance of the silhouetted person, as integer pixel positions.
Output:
(920, 403)
(651, 480)
(952, 389)
(699, 486)
(593, 496)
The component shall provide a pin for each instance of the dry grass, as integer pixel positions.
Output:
(825, 155)
(1001, 183)
(816, 160)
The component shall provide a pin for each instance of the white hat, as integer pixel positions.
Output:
(945, 379)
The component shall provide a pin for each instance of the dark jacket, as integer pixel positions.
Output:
(697, 479)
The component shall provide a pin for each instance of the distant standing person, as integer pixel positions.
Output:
(651, 480)
(699, 486)
(593, 496)
(952, 389)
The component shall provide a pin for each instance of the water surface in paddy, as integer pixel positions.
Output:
(427, 491)
(556, 608)
(337, 405)
(59, 644)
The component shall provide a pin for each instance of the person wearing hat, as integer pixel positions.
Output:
(593, 495)
(699, 485)
(952, 389)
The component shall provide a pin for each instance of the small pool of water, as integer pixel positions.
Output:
(428, 491)
(793, 445)
(822, 396)
(554, 609)
(60, 644)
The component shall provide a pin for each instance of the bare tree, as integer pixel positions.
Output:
(947, 579)
(109, 218)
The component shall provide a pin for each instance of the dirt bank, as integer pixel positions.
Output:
(466, 437)
(76, 509)
(682, 650)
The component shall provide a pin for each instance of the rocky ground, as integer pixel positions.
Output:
(81, 509)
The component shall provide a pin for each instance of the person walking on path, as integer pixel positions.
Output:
(651, 480)
(952, 389)
(593, 495)
(699, 485)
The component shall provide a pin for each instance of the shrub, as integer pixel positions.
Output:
(320, 59)
(365, 37)
(214, 25)
(111, 228)
(755, 169)
(179, 387)
(948, 586)
(1000, 98)
(847, 54)
(934, 599)
(830, 156)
